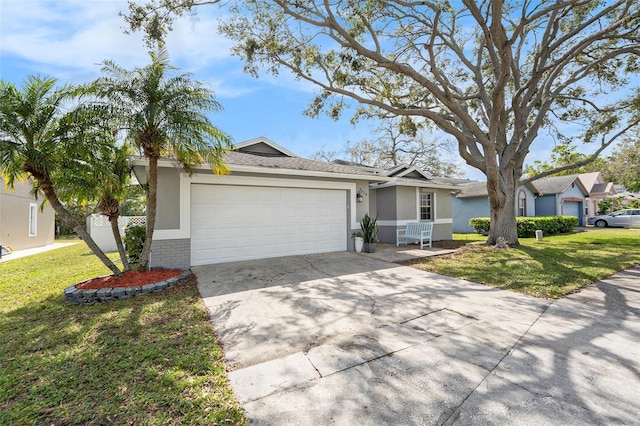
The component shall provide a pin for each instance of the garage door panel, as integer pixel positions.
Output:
(230, 223)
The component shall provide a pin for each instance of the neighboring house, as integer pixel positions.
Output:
(22, 224)
(563, 196)
(473, 201)
(598, 190)
(275, 203)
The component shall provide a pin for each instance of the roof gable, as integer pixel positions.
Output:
(559, 184)
(263, 147)
(408, 172)
(589, 180)
(603, 188)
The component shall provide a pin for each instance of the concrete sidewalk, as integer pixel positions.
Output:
(18, 254)
(346, 339)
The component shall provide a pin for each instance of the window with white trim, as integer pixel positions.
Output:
(522, 203)
(33, 219)
(426, 206)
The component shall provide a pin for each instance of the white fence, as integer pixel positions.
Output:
(99, 228)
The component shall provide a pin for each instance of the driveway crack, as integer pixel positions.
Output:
(313, 365)
(314, 267)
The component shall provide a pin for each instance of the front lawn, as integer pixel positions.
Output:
(149, 360)
(552, 268)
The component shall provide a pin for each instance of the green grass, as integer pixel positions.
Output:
(144, 361)
(552, 268)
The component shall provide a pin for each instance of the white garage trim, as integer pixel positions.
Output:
(239, 222)
(185, 196)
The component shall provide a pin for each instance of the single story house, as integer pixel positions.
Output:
(563, 196)
(23, 224)
(274, 203)
(473, 201)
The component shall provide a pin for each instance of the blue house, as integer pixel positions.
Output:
(473, 201)
(563, 196)
(551, 196)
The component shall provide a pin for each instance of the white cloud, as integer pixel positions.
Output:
(69, 38)
(225, 88)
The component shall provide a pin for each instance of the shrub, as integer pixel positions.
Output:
(527, 226)
(605, 206)
(480, 224)
(134, 236)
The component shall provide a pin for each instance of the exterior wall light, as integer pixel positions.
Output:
(360, 196)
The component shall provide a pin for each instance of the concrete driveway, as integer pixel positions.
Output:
(345, 339)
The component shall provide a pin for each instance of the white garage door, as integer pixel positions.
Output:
(230, 223)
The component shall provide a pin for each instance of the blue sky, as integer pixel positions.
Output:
(69, 39)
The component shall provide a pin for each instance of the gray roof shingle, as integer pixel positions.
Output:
(555, 184)
(296, 163)
(600, 188)
(473, 190)
(342, 167)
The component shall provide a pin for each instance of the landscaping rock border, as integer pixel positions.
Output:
(72, 294)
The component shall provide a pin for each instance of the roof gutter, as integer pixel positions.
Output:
(393, 183)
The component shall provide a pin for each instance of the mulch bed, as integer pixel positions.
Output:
(130, 279)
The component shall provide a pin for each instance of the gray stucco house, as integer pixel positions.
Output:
(473, 201)
(23, 224)
(274, 203)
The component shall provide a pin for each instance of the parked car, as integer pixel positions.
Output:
(621, 218)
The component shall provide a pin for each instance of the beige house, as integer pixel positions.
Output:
(23, 224)
(598, 190)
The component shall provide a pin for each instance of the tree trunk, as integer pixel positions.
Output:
(503, 213)
(152, 199)
(116, 235)
(69, 220)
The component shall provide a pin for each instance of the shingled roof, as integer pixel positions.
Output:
(558, 184)
(263, 153)
(260, 155)
(235, 158)
(479, 189)
(603, 188)
(474, 190)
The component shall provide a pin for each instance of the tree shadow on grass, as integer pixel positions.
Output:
(147, 360)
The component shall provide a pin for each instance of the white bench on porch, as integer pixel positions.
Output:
(420, 231)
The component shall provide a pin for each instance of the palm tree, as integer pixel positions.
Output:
(38, 135)
(105, 179)
(113, 190)
(163, 115)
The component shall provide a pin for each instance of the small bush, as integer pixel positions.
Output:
(480, 224)
(134, 236)
(527, 226)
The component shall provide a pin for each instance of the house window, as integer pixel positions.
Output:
(33, 219)
(522, 203)
(426, 206)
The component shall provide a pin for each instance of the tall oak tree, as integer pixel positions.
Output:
(498, 76)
